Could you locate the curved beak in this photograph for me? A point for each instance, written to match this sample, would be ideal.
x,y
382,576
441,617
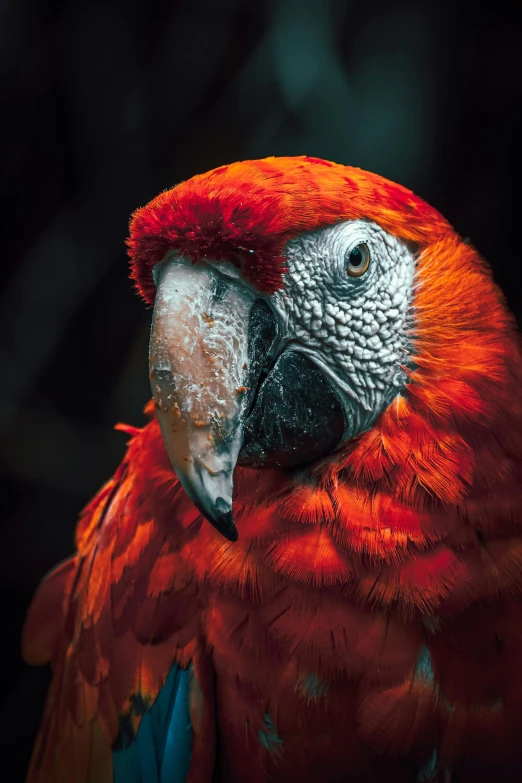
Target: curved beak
x,y
199,366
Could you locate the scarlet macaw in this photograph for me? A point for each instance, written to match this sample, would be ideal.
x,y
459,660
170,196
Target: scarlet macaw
x,y
335,372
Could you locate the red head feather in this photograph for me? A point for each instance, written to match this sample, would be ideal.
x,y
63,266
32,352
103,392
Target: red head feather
x,y
253,208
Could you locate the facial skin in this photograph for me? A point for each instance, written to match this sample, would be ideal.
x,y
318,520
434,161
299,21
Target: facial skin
x,y
358,329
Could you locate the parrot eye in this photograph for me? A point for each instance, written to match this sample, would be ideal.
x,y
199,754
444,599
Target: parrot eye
x,y
358,260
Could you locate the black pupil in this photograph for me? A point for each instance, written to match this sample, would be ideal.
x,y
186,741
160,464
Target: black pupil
x,y
356,257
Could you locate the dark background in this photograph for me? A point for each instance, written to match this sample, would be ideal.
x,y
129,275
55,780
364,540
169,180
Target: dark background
x,y
104,104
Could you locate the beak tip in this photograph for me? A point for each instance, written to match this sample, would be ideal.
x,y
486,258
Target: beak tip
x,y
223,521
231,534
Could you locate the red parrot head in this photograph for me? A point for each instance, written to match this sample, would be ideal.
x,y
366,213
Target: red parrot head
x,y
294,300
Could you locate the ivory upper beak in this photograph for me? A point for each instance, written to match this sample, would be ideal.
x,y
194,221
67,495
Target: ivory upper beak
x,y
198,362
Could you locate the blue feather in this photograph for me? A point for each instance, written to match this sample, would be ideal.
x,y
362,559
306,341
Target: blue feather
x,y
428,770
424,669
268,736
313,688
162,748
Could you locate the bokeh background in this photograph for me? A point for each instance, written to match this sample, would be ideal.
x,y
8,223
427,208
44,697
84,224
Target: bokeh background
x,y
104,104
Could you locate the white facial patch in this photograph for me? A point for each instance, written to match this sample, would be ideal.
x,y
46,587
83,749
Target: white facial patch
x,y
355,328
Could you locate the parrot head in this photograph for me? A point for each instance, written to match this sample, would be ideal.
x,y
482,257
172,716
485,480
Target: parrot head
x,y
290,296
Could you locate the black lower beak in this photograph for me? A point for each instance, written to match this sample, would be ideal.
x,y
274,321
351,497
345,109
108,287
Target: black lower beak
x,y
297,417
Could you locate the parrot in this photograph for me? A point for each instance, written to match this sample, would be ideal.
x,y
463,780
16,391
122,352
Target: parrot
x,y
308,565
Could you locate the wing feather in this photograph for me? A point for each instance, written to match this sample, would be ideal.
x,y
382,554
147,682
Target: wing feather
x,y
114,620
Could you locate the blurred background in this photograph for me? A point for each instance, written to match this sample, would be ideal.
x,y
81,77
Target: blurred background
x,y
104,104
